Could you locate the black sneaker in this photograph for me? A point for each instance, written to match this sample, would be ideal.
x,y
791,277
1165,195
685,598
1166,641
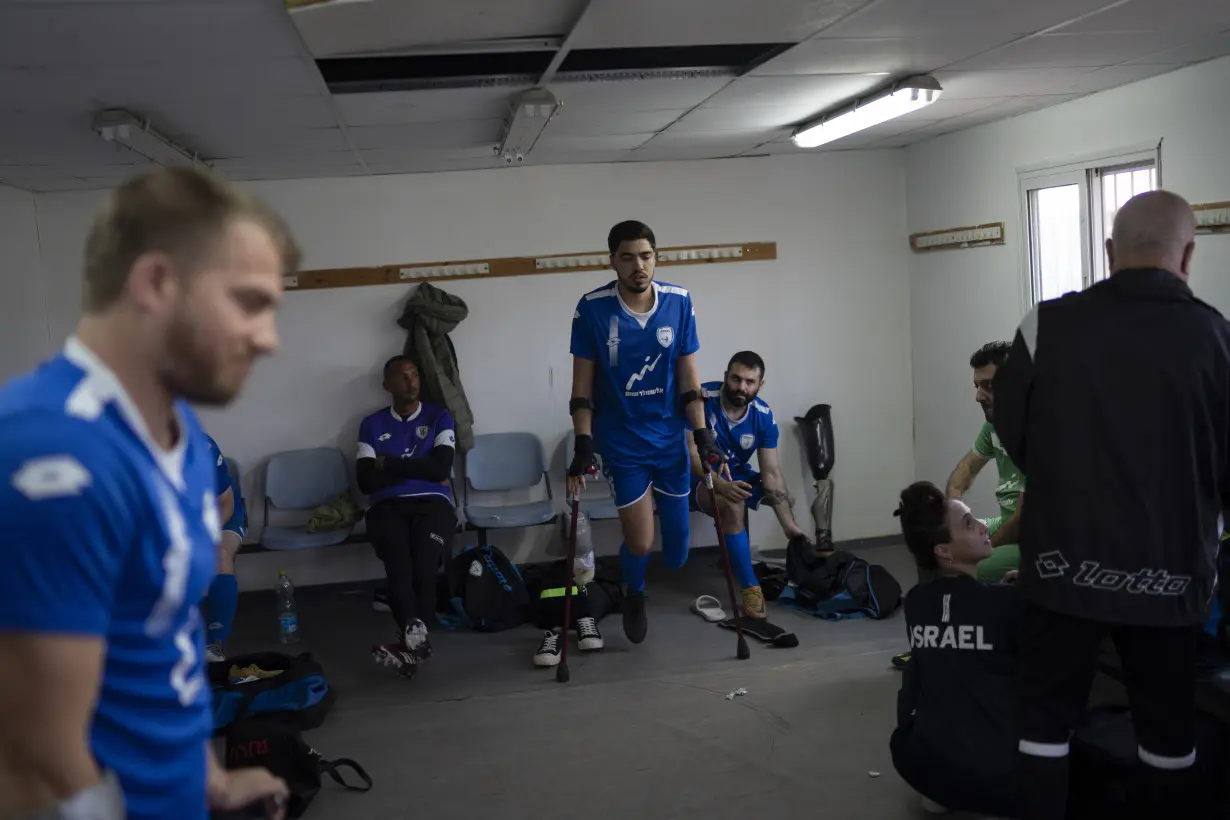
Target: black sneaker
x,y
589,639
548,652
635,622
380,599
899,661
396,656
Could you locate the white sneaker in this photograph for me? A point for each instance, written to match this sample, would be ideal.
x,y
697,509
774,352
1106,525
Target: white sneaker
x,y
214,653
931,807
548,652
588,637
415,640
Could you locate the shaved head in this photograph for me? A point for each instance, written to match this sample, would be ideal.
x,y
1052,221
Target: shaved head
x,y
1153,230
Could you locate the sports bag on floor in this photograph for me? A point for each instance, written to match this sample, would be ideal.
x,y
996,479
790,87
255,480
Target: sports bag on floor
x,y
292,687
486,590
839,585
282,750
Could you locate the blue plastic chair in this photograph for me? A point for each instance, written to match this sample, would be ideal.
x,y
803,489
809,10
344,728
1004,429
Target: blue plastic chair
x,y
501,462
598,500
303,480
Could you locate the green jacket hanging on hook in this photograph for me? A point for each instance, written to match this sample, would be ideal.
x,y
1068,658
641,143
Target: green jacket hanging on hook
x,y
430,315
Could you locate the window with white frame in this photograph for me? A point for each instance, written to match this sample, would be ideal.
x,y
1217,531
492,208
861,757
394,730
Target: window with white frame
x,y
1068,212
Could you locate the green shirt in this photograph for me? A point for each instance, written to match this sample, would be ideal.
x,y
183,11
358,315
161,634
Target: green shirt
x,y
1011,482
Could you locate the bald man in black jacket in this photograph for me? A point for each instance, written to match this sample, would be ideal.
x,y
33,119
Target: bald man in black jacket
x,y
1115,404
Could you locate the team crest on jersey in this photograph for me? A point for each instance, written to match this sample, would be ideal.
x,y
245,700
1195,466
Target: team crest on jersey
x,y
422,431
746,441
385,436
666,335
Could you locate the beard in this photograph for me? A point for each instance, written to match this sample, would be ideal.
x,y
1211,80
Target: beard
x,y
737,399
196,371
988,411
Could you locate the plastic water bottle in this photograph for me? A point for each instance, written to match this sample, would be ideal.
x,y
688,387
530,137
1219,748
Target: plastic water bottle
x,y
288,613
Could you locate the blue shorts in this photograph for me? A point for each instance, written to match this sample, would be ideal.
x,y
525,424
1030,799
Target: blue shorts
x,y
752,501
669,474
237,524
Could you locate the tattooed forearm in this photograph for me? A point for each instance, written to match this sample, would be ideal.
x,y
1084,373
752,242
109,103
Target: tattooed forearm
x,y
776,498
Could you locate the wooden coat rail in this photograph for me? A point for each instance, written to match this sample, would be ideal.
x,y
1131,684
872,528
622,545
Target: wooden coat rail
x,y
520,266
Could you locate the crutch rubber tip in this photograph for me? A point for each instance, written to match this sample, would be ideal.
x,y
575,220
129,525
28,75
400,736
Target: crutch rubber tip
x,y
561,672
743,653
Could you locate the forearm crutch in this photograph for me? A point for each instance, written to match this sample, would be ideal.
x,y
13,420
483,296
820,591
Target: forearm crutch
x,y
561,671
741,650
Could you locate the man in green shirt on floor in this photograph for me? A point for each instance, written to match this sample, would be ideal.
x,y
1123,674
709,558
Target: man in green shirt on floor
x,y
1010,491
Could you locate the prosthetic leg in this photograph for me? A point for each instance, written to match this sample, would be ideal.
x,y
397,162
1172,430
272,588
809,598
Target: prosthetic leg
x,y
817,427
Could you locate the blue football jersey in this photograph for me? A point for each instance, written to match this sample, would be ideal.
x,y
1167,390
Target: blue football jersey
x,y
224,482
104,533
384,433
740,439
636,400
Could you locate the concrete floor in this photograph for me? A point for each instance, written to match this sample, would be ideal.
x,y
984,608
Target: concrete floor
x,y
640,732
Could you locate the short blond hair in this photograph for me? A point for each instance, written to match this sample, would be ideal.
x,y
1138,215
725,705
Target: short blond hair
x,y
179,211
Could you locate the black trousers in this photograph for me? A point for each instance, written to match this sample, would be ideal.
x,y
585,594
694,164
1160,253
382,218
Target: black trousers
x,y
1058,663
412,535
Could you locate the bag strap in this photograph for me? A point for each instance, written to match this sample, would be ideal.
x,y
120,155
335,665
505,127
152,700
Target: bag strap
x,y
331,768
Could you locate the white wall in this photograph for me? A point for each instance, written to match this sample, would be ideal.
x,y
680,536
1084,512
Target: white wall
x,y
961,299
830,316
24,336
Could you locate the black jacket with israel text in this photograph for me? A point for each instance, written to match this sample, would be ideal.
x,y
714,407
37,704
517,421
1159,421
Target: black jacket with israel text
x,y
1115,404
956,710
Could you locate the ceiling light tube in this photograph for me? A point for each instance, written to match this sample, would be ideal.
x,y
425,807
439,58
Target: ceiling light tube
x,y
527,117
137,135
898,99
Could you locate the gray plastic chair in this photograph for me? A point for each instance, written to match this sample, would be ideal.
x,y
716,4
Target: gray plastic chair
x,y
500,462
303,480
597,503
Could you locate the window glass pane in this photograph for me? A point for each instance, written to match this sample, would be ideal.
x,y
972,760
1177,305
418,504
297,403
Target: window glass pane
x,y
1057,245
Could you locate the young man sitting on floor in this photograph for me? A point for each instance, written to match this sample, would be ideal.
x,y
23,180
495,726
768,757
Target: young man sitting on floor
x,y
1009,492
745,427
404,460
956,740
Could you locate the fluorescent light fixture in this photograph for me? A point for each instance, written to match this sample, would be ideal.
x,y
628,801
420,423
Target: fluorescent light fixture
x,y
900,98
527,117
137,135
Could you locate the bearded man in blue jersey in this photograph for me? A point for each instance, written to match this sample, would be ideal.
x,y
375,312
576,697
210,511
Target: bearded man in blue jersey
x,y
745,427
634,384
109,520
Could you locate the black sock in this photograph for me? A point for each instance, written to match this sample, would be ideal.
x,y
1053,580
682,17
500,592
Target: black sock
x,y
1043,787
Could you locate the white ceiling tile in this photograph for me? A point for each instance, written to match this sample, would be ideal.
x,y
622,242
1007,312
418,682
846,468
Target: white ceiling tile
x,y
1194,16
386,25
1204,47
760,117
243,113
242,141
1117,75
302,165
548,143
537,157
966,84
425,156
679,153
298,172
405,107
725,143
428,135
1072,50
917,18
803,94
412,167
891,55
147,87
636,95
81,35
573,122
627,23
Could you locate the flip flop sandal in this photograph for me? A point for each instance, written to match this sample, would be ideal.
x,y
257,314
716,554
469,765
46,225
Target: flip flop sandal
x,y
765,632
709,608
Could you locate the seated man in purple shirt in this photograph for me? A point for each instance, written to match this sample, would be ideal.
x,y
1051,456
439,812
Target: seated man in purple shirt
x,y
405,457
